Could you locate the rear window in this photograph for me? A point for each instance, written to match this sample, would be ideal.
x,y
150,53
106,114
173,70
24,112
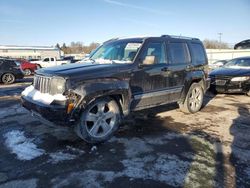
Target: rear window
x,y
179,53
198,53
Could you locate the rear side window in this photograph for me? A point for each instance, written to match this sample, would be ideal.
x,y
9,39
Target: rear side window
x,y
10,63
198,53
179,52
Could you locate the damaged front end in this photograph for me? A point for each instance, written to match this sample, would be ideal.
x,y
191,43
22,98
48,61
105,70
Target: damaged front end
x,y
49,100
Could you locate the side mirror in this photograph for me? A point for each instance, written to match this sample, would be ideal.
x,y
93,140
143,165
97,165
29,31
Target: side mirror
x,y
149,60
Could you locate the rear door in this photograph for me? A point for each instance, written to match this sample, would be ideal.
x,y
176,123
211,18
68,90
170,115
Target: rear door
x,y
179,64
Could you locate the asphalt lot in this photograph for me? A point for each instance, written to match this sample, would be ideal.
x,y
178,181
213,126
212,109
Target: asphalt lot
x,y
160,148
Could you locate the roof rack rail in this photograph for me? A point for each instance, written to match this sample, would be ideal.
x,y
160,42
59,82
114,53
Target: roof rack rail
x,y
179,37
111,40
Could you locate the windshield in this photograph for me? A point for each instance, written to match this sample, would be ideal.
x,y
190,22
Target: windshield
x,y
238,63
116,52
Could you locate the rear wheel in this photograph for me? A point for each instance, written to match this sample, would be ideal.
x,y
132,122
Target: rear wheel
x,y
193,100
99,121
27,72
8,78
38,67
248,93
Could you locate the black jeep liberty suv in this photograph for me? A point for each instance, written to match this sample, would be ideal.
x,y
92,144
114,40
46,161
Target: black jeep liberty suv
x,y
120,76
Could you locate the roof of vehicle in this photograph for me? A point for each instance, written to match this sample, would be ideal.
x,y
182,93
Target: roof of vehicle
x,y
246,57
145,37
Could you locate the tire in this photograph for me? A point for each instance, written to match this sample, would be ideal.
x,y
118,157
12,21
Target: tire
x,y
194,99
38,67
248,93
99,121
8,78
27,72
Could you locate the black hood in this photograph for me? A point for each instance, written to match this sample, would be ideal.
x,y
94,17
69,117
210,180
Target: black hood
x,y
86,70
226,71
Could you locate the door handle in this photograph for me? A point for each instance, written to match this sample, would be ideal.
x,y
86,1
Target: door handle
x,y
165,69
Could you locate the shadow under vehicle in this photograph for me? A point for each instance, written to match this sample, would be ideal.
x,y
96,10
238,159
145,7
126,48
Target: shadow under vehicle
x,y
121,76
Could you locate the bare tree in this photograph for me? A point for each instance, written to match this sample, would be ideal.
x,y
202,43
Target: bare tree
x,y
78,47
215,44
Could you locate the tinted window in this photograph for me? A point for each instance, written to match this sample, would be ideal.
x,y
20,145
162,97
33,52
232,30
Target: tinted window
x,y
52,59
179,52
46,59
156,49
238,62
243,62
198,53
10,63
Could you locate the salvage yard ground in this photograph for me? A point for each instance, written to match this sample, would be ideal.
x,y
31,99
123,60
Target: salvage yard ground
x,y
165,148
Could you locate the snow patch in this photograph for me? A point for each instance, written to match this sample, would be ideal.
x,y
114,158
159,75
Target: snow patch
x,y
23,147
88,178
30,183
60,156
45,98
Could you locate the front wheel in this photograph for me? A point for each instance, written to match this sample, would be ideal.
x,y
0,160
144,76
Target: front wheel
x,y
99,120
193,100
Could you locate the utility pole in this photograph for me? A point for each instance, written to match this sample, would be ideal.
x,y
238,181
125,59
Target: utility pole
x,y
220,38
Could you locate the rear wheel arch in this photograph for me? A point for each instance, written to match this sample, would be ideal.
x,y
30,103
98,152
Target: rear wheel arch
x,y
190,79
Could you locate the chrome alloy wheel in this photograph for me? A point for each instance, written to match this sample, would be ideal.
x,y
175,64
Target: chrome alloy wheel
x,y
8,78
195,99
101,118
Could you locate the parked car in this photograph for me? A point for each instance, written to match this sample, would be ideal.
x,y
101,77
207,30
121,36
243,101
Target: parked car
x,y
9,71
233,77
217,64
71,59
245,44
122,76
49,62
27,67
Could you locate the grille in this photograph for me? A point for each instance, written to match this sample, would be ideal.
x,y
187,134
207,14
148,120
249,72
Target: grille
x,y
42,83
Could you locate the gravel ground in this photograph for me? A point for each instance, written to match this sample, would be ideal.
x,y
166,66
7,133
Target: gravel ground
x,y
159,148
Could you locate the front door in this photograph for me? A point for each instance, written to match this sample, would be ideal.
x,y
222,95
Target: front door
x,y
149,80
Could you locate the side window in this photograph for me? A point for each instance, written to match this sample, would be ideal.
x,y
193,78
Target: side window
x,y
52,59
154,51
179,52
244,62
46,60
198,53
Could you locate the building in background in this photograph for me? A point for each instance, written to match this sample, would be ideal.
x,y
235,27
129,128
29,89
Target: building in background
x,y
30,52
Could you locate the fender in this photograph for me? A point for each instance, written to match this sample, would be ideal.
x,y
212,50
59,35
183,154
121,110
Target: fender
x,y
93,89
191,77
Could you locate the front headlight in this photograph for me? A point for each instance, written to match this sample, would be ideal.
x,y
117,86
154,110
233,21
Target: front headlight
x,y
57,85
240,79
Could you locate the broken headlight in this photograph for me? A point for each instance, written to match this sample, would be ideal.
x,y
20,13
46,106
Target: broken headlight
x,y
57,85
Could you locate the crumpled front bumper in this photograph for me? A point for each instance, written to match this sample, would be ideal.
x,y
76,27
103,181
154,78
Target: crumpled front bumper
x,y
46,110
56,114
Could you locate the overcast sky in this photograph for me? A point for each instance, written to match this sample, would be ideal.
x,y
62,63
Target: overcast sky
x,y
47,22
